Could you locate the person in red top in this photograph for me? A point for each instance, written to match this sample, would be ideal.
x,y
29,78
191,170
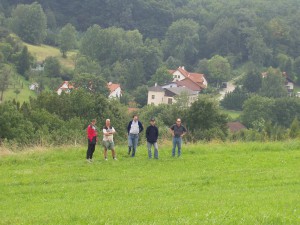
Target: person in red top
x,y
92,140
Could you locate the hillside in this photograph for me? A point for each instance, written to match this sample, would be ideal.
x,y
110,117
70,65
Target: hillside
x,y
233,183
43,51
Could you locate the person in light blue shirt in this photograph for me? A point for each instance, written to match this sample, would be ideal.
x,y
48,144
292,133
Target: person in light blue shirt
x,y
133,129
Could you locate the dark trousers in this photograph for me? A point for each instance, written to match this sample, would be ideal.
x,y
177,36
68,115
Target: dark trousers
x,y
91,148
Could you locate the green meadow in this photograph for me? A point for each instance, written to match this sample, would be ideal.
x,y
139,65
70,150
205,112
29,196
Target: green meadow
x,y
212,183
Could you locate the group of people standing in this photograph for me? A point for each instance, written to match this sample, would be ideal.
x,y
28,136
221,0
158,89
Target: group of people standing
x,y
134,128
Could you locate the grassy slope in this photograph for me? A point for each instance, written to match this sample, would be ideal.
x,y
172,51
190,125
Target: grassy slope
x,y
22,85
41,52
246,183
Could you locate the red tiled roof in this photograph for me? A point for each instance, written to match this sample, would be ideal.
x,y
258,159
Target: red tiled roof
x,y
112,87
67,84
235,126
189,84
197,78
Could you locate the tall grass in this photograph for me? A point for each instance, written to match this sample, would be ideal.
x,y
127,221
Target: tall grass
x,y
215,183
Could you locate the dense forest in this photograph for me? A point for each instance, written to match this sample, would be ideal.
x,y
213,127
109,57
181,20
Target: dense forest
x,y
135,42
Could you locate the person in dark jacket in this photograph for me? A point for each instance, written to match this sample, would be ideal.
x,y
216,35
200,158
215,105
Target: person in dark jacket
x,y
134,128
152,135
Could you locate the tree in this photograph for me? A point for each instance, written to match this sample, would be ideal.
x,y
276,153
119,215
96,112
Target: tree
x,y
182,40
91,83
13,125
141,95
219,70
161,77
67,39
205,118
23,61
252,80
52,67
285,110
85,65
235,100
273,84
29,22
257,109
297,69
5,76
258,51
295,128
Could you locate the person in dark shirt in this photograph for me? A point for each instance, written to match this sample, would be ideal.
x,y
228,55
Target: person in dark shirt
x,y
152,135
177,131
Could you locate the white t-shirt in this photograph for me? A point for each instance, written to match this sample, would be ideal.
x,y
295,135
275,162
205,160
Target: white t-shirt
x,y
134,129
108,137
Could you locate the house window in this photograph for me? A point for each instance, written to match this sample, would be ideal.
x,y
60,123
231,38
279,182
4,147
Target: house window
x,y
169,100
153,96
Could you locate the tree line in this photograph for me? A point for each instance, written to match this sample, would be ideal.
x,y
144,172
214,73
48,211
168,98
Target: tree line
x,y
144,35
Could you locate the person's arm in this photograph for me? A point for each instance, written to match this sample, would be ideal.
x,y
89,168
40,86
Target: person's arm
x,y
128,126
141,128
184,132
172,130
156,133
112,130
105,133
147,132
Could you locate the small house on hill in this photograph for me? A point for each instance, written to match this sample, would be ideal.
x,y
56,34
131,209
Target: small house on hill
x,y
181,74
167,95
65,87
114,90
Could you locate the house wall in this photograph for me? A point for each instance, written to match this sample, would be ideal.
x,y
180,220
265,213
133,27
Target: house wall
x,y
177,76
158,98
290,85
116,93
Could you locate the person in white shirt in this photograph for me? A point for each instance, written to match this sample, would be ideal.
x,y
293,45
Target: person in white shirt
x,y
134,128
108,139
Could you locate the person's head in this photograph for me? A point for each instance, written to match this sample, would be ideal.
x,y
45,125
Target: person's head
x,y
94,121
178,122
152,121
107,122
135,117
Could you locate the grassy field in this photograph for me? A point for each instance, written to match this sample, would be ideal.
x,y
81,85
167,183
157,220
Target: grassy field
x,y
216,183
41,52
19,83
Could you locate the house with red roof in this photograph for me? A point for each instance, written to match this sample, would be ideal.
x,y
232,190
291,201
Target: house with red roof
x,y
185,82
114,90
181,74
66,87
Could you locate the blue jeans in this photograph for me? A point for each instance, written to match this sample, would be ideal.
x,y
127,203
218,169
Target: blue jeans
x,y
176,141
149,145
133,140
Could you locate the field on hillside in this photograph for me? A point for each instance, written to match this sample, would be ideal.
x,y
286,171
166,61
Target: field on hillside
x,y
41,52
216,183
19,83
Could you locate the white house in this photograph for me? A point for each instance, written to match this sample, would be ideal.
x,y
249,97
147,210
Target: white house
x,y
183,82
34,86
114,90
159,95
180,74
